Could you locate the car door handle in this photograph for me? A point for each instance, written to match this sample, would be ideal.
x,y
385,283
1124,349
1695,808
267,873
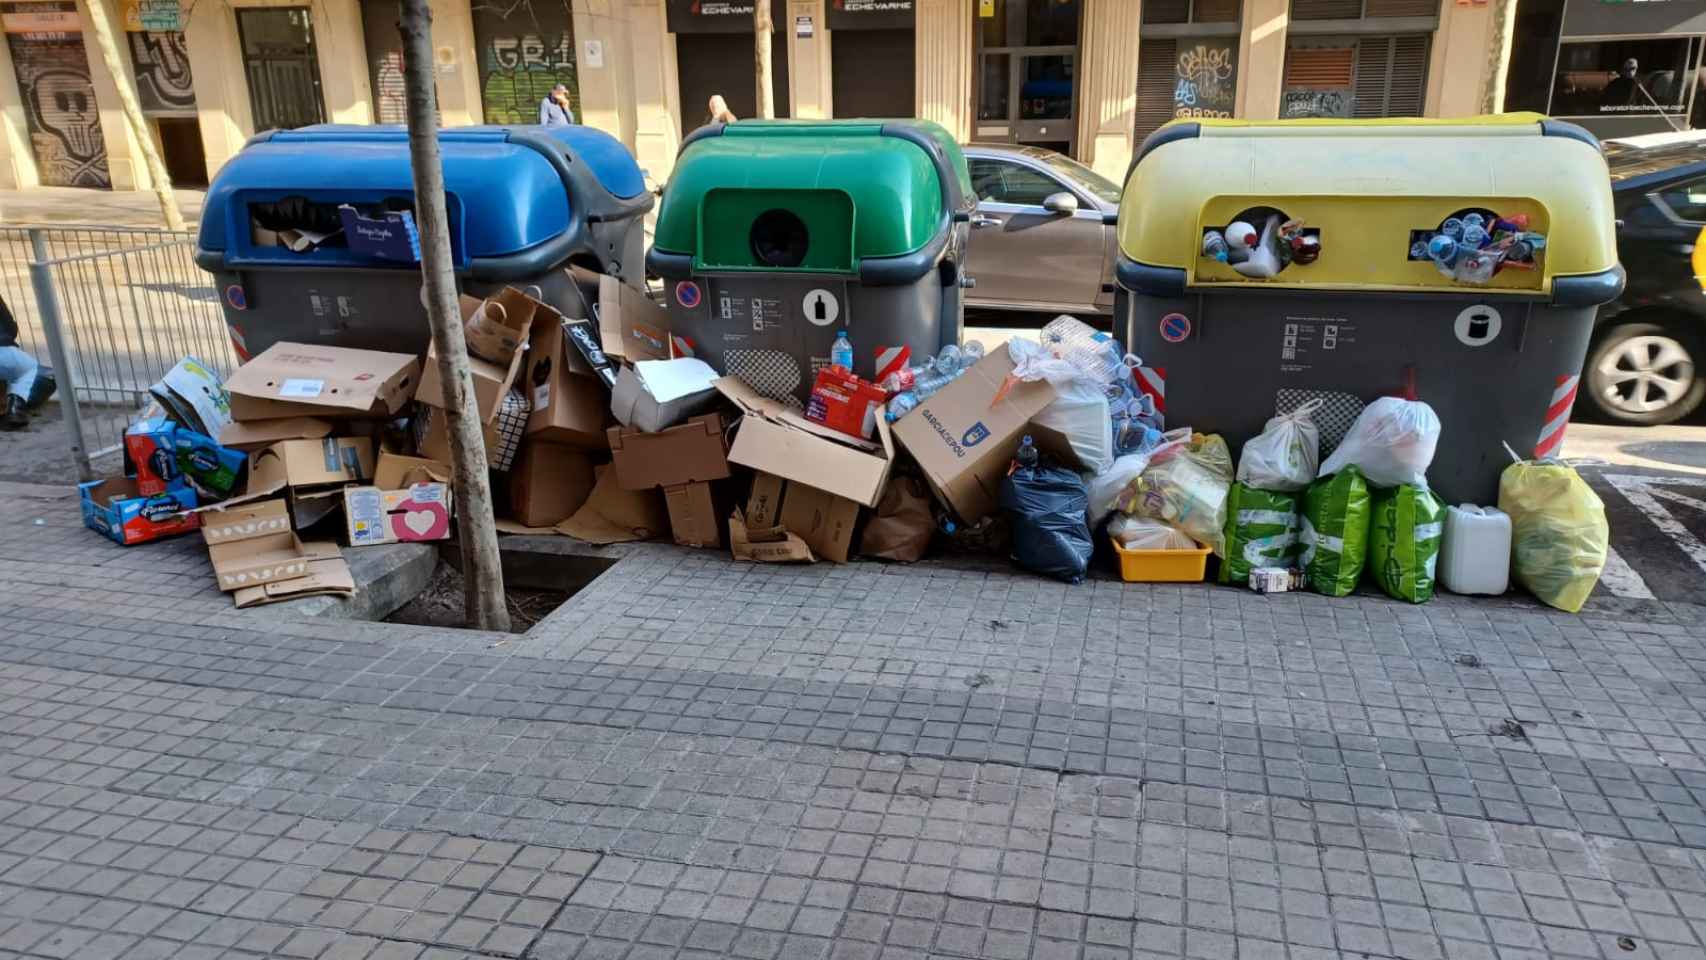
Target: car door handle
x,y
978,221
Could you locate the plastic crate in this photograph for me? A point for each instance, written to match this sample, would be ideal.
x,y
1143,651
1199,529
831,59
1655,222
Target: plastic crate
x,y
1162,566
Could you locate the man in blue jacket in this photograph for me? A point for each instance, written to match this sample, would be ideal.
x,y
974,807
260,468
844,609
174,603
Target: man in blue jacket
x,y
554,109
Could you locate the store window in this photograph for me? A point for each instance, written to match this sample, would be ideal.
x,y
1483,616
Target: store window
x,y
1528,81
1187,61
1650,75
1027,57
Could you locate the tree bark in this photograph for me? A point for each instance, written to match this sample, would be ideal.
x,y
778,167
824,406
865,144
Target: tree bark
x,y
1499,55
132,110
482,572
763,29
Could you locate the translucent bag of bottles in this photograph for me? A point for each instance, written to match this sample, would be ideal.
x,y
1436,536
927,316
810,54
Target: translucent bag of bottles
x,y
1559,535
1392,442
1185,485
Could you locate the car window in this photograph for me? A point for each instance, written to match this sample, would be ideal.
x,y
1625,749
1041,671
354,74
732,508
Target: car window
x,y
998,181
1687,200
1087,178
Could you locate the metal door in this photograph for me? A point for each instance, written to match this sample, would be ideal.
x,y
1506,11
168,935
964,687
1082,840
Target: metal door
x,y
282,66
1027,91
1023,254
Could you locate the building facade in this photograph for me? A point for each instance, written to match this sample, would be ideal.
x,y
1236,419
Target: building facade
x,y
1087,77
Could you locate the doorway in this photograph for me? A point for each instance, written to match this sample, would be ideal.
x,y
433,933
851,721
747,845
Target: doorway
x,y
1027,57
283,67
714,55
180,150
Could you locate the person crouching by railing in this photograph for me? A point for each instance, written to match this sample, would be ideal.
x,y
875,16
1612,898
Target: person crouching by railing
x,y
18,369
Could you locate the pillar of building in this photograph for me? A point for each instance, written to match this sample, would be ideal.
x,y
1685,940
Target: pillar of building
x,y
943,44
655,105
1107,113
1457,65
809,88
604,67
1261,58
456,63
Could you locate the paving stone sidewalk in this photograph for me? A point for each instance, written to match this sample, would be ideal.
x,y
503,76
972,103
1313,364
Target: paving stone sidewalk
x,y
696,758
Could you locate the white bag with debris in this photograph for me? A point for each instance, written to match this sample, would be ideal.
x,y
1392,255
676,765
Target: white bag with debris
x,y
1392,441
1142,533
1284,456
1079,411
1105,487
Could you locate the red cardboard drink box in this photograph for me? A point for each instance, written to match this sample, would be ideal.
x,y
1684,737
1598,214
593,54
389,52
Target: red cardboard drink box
x,y
841,401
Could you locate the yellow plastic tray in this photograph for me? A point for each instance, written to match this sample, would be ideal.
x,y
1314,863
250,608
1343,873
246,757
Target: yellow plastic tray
x,y
1162,566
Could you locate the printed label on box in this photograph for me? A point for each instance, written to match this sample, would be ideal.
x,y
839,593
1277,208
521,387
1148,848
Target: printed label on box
x,y
301,389
366,507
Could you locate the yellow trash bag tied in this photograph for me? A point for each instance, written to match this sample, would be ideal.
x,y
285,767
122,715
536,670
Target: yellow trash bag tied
x,y
1559,537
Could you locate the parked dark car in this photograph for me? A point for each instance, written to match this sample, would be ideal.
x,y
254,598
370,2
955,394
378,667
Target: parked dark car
x,y
1643,367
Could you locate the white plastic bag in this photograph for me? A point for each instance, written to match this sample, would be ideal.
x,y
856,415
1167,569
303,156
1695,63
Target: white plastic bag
x,y
1284,456
1032,361
1106,485
1141,533
1392,441
1079,412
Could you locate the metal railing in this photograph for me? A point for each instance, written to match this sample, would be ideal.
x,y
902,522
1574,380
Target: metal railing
x,y
111,309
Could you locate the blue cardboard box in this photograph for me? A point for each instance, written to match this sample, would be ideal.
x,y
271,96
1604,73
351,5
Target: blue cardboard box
x,y
119,510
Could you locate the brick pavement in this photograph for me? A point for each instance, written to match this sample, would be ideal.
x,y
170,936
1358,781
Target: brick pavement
x,y
697,759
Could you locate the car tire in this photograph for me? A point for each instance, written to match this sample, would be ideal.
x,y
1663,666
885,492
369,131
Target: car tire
x,y
1644,374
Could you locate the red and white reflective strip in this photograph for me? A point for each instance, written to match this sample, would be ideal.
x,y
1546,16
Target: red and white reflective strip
x,y
680,346
1153,381
1557,417
890,359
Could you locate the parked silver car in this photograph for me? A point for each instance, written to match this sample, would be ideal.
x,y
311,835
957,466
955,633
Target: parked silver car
x,y
1043,236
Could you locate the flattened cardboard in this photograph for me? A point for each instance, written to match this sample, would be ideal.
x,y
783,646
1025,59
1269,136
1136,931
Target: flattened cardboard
x,y
764,507
790,549
774,439
693,515
568,407
963,439
395,471
548,483
631,324
311,380
614,515
252,545
414,514
491,382
326,577
689,453
252,436
823,520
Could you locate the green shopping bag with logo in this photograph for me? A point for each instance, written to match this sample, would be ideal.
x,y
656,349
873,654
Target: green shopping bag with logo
x,y
1261,531
1334,534
1403,541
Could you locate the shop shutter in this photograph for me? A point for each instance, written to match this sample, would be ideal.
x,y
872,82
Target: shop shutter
x,y
1402,8
1319,68
1391,76
1166,11
1155,81
1326,9
1215,11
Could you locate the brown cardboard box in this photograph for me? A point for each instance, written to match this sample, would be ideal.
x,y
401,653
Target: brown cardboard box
x,y
823,520
614,515
503,435
693,514
774,439
414,514
395,471
491,382
548,483
568,407
789,549
764,508
689,453
631,324
963,438
256,434
310,473
310,380
252,545
326,576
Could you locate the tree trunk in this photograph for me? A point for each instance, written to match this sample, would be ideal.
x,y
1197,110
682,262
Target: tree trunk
x,y
482,573
763,29
1499,55
132,109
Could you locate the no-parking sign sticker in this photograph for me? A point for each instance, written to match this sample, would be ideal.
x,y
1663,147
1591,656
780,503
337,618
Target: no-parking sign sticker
x,y
1175,327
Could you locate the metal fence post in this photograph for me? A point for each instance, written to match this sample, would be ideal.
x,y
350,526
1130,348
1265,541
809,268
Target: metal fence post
x,y
47,305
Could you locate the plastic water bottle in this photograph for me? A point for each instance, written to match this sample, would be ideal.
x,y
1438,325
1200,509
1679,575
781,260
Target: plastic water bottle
x,y
1083,346
900,405
1474,236
1452,227
1214,246
931,382
1442,250
841,352
949,360
972,352
906,377
1027,454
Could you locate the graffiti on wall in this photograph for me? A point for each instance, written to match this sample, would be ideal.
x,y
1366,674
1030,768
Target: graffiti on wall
x,y
59,108
1205,84
526,47
162,63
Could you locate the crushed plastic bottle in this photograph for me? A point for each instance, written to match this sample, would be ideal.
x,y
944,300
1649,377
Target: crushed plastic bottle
x,y
949,360
1214,246
900,405
1090,350
841,352
906,377
973,352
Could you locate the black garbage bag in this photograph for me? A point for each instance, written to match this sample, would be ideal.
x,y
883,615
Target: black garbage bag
x,y
1047,507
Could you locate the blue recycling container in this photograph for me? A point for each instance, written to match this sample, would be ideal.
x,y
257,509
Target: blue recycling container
x,y
525,203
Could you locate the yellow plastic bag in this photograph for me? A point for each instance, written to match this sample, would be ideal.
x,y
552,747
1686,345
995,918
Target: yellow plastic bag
x,y
1185,486
1559,537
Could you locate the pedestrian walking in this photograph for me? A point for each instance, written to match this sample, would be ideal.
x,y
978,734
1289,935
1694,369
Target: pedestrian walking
x,y
18,369
554,110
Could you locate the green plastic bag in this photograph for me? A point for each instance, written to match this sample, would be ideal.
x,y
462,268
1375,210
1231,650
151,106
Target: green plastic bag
x,y
1261,531
1403,542
1334,534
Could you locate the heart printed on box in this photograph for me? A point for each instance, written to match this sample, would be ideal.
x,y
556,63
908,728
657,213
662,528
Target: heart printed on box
x,y
413,520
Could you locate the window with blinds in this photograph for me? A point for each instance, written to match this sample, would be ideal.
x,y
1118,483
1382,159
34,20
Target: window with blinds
x,y
1155,69
1191,11
1188,72
1361,77
1360,9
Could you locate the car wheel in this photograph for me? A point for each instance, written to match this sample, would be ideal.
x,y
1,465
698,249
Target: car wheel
x,y
1643,374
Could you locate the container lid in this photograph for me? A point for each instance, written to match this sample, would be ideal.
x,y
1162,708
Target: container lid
x,y
508,188
888,187
1369,187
